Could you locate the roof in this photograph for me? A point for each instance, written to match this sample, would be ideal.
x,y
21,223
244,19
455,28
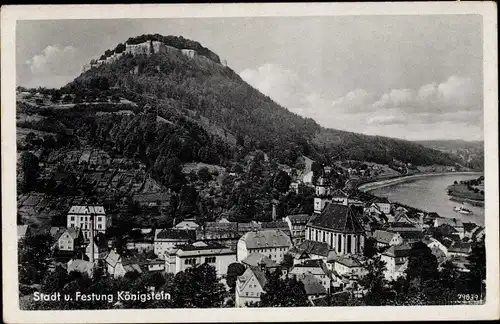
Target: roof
x,y
113,258
469,227
340,218
101,242
460,247
412,235
249,273
313,247
276,224
404,226
55,230
72,231
383,200
87,210
455,222
256,259
80,266
348,261
383,236
339,193
266,238
187,223
398,251
299,219
175,234
21,230
446,229
312,285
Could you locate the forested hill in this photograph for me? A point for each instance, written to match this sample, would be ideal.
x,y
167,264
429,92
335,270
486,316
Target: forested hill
x,y
215,97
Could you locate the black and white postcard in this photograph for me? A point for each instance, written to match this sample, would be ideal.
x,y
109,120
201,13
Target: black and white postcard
x,y
250,162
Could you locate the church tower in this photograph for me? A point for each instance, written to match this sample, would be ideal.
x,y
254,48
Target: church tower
x,y
322,194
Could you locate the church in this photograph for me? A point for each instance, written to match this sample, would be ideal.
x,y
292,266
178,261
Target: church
x,y
336,224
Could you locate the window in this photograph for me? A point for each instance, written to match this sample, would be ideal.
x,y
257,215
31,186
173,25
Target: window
x,y
246,294
324,239
99,226
210,259
72,218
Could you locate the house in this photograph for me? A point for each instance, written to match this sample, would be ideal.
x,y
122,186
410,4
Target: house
x,y
408,232
312,285
277,224
478,234
273,243
382,203
297,226
68,239
339,226
156,265
249,287
23,231
461,263
346,267
294,186
166,239
316,268
83,217
307,178
258,260
459,249
469,228
80,266
100,248
118,266
396,260
222,232
187,224
191,255
457,224
434,244
385,238
311,250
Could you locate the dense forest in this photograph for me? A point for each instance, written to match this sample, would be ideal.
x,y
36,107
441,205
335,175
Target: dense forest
x,y
179,84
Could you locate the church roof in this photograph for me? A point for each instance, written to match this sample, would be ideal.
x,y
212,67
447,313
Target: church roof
x,y
339,218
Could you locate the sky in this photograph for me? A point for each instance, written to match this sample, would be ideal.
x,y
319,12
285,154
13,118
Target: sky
x,y
410,77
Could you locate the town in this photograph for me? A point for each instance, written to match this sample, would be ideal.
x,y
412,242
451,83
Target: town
x,y
160,172
330,251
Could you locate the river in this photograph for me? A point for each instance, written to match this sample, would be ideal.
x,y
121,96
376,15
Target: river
x,y
429,194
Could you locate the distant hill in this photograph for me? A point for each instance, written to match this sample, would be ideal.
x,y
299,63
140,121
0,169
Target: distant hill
x,y
178,85
471,153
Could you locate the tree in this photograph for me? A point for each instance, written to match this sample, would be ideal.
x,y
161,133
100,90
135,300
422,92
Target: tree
x,y
477,267
287,261
287,292
204,174
282,181
234,270
422,264
374,281
31,169
370,248
197,287
33,257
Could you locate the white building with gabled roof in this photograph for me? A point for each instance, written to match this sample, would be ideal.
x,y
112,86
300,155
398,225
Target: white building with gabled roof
x,y
273,243
80,216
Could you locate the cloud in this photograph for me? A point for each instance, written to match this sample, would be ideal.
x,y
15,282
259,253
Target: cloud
x,y
447,109
281,84
358,100
387,120
55,60
451,95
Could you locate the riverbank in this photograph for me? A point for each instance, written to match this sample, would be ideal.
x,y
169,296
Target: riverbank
x,y
468,201
369,186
